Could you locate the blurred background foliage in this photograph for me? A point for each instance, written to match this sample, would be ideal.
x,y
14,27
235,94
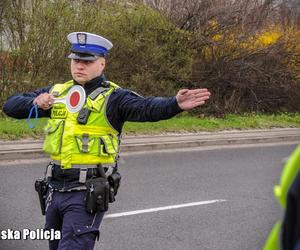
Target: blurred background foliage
x,y
247,52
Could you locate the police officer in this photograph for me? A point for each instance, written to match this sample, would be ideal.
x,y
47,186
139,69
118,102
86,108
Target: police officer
x,y
81,143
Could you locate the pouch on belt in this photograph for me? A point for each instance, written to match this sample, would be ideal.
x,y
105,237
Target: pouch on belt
x,y
97,196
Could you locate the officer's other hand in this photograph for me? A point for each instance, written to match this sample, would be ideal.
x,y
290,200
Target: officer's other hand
x,y
188,99
44,101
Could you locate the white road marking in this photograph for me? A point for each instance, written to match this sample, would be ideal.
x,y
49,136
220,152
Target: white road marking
x,y
151,210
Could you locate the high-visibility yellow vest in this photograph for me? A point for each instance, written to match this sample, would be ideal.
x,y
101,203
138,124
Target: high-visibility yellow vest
x,y
96,142
289,173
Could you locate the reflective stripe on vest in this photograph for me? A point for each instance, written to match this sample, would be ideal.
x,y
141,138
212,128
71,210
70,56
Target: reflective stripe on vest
x,y
72,143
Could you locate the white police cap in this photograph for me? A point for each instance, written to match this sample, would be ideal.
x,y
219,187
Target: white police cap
x,y
88,46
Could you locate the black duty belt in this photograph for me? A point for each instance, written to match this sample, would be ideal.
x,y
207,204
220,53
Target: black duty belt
x,y
76,165
81,172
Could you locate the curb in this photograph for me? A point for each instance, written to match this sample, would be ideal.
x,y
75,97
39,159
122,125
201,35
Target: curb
x,y
27,149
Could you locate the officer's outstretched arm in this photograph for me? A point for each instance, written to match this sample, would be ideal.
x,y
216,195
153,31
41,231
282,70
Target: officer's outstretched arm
x,y
133,107
18,106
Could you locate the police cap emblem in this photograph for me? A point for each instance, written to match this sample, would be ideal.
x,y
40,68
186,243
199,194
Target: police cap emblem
x,y
81,38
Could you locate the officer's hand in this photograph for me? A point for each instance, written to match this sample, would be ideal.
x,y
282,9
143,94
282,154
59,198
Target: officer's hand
x,y
188,99
44,101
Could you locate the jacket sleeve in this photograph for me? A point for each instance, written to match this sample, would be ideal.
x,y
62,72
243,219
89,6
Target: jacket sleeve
x,y
124,105
18,106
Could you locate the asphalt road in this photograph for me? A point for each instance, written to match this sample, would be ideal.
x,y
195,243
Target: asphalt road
x,y
242,177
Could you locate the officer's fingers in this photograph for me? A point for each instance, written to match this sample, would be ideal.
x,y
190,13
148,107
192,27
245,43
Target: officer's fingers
x,y
201,98
42,106
45,106
196,91
196,97
40,97
204,94
44,98
201,92
38,100
43,101
199,103
50,99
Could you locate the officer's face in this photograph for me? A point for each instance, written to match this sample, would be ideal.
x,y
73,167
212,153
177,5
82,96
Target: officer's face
x,y
83,71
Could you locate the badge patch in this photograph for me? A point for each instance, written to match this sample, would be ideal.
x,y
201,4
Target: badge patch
x,y
81,38
58,113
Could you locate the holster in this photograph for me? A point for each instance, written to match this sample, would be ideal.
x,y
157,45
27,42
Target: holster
x,y
114,181
41,186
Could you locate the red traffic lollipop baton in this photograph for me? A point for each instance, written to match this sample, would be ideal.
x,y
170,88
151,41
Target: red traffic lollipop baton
x,y
74,100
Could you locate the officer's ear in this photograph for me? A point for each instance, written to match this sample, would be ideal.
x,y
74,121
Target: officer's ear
x,y
102,62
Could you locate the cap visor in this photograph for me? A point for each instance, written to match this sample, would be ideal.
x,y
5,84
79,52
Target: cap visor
x,y
83,57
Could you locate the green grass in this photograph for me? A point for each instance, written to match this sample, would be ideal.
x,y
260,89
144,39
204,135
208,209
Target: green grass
x,y
11,129
186,124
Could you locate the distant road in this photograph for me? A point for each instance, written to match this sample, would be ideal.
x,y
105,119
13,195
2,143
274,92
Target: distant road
x,y
198,199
